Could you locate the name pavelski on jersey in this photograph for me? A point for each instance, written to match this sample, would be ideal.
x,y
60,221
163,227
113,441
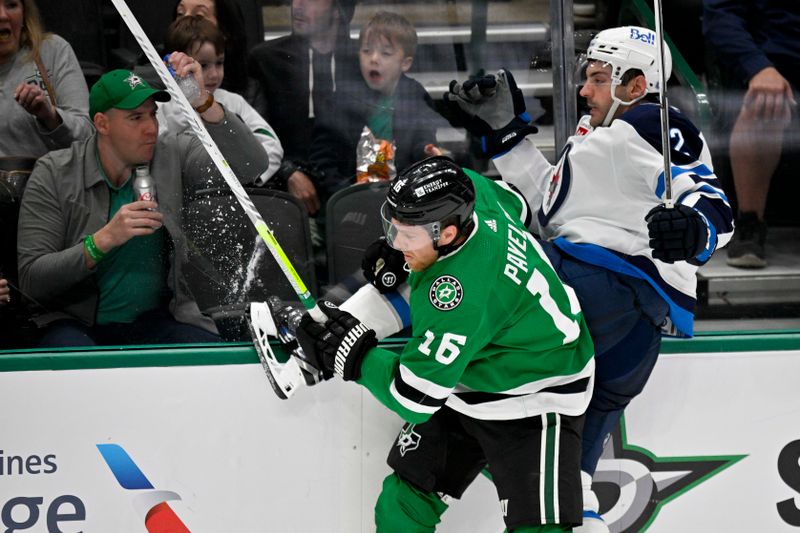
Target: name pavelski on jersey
x,y
446,293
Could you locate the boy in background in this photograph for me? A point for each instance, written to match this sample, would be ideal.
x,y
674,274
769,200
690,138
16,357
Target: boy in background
x,y
393,106
203,41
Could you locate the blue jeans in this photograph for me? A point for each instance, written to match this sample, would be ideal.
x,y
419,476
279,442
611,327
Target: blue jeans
x,y
624,315
153,327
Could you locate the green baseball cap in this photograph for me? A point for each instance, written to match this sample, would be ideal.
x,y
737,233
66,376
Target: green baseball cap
x,y
121,89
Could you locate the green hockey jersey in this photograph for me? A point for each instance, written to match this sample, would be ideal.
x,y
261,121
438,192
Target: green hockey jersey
x,y
495,334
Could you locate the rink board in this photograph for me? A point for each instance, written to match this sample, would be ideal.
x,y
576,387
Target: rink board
x,y
713,444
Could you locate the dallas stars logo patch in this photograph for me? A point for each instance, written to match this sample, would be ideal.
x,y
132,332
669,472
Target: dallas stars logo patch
x,y
408,440
446,293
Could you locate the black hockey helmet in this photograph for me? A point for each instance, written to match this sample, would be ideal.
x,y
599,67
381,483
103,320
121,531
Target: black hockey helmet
x,y
435,192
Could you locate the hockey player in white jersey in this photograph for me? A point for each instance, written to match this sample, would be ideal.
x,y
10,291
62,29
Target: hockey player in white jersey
x,y
631,261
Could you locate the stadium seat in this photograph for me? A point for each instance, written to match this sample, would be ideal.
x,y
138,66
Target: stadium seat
x,y
353,222
228,265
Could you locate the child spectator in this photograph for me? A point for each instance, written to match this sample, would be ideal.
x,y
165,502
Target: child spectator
x,y
393,106
203,41
226,15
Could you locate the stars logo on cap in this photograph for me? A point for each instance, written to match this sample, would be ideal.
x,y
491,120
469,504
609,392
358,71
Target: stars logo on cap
x,y
133,80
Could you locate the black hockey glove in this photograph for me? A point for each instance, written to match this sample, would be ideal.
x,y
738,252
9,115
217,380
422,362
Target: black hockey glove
x,y
383,266
676,234
491,107
339,345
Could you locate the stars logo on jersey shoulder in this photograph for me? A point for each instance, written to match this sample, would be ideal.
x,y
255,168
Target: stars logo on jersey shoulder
x,y
446,293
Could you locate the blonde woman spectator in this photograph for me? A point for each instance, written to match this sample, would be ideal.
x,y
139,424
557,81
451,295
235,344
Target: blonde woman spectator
x,y
43,95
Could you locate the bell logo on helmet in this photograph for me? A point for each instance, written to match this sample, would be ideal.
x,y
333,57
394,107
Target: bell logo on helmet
x,y
644,36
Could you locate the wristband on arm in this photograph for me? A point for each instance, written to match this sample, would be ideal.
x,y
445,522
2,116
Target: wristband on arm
x,y
95,253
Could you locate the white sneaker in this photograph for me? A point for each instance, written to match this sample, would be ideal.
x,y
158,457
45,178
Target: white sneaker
x,y
592,521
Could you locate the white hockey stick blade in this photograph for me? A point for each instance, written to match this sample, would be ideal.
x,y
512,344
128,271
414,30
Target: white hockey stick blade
x,y
284,377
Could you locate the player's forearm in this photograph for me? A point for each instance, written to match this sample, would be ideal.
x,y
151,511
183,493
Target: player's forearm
x,y
527,169
377,375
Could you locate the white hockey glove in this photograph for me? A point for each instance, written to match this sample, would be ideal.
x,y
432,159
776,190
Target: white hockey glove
x,y
339,345
491,107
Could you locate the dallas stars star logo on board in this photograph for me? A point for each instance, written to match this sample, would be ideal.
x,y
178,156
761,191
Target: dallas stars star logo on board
x,y
633,484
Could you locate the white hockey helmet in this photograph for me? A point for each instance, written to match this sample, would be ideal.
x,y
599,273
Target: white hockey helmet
x,y
630,47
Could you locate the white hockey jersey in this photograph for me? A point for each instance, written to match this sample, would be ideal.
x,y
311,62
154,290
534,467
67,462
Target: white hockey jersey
x,y
593,202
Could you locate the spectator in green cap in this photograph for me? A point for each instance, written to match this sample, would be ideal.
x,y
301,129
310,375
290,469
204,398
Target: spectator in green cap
x,y
105,267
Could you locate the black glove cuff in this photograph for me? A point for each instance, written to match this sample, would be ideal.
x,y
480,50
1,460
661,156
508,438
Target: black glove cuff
x,y
502,140
351,351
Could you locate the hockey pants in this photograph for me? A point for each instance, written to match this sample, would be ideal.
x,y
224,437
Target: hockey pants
x,y
402,508
624,315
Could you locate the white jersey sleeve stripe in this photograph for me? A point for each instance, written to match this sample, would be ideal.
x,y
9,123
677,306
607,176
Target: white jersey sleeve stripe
x,y
424,386
411,405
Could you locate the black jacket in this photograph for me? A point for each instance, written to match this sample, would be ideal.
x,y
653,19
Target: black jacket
x,y
281,69
333,148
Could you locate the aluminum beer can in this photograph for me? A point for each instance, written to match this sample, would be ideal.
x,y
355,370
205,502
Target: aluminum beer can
x,y
144,188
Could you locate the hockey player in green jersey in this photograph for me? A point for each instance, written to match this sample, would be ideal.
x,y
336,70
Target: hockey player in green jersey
x,y
500,366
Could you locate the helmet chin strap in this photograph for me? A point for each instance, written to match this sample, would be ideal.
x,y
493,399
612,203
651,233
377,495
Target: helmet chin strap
x,y
618,102
458,240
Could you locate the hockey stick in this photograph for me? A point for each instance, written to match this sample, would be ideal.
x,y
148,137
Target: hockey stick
x,y
262,345
665,140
